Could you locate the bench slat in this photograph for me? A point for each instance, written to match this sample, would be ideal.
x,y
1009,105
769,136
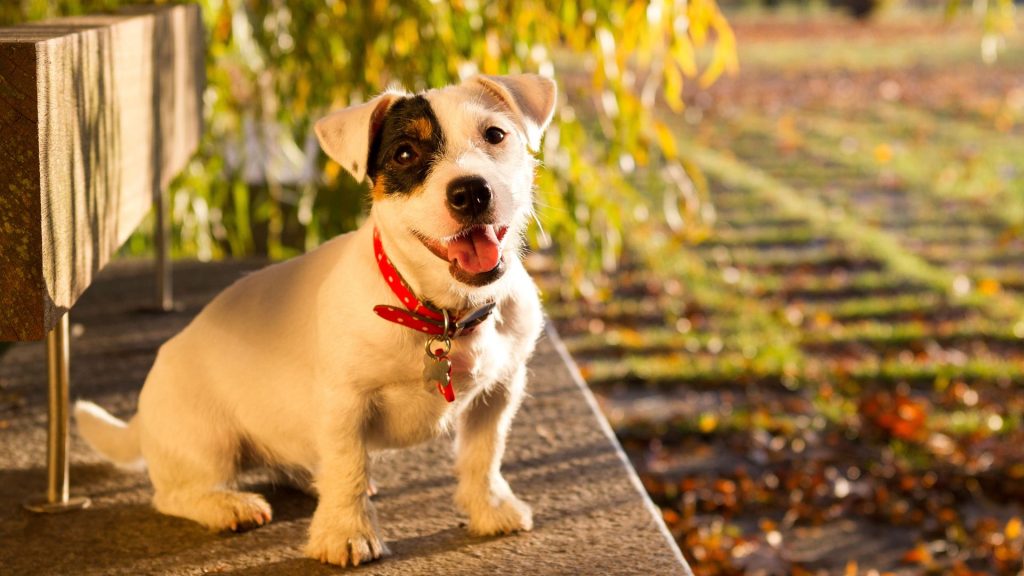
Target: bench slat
x,y
97,115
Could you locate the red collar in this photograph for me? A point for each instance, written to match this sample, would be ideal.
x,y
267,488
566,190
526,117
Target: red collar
x,y
420,315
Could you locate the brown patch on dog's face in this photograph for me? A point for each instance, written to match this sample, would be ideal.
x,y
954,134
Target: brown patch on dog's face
x,y
380,187
421,128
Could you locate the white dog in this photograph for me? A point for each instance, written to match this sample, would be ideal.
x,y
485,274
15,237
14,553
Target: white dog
x,y
313,363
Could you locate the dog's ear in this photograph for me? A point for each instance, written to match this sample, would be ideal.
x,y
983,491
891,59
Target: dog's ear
x,y
531,98
346,135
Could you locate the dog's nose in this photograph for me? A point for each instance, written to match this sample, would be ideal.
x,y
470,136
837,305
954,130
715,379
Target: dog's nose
x,y
469,196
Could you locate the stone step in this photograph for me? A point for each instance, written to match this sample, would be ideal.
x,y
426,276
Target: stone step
x,y
591,514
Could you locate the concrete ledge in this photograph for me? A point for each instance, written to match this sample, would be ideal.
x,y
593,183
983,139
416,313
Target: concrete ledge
x,y
591,513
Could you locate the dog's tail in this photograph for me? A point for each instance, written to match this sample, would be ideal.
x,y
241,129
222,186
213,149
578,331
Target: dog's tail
x,y
115,439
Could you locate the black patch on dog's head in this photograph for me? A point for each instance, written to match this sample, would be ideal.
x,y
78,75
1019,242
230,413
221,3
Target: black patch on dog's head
x,y
410,126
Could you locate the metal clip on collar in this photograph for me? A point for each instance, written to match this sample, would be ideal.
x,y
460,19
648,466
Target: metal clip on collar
x,y
443,338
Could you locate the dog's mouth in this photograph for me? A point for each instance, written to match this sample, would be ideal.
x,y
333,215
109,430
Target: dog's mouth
x,y
474,254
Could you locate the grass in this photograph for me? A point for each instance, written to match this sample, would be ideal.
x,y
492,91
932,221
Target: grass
x,y
861,54
851,229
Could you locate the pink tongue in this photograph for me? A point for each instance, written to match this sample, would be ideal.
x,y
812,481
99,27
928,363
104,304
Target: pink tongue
x,y
476,252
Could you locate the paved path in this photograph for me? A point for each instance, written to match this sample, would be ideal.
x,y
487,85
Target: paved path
x,y
591,517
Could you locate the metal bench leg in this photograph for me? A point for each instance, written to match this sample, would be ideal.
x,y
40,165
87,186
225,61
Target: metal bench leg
x,y
164,292
57,498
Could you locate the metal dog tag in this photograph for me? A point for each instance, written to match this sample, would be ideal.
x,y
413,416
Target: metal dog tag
x,y
436,369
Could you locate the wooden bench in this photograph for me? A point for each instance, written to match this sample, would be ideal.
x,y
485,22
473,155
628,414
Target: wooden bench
x,y
97,115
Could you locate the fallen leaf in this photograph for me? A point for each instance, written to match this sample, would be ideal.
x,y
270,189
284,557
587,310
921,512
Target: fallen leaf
x,y
1013,528
707,423
822,319
918,555
989,287
883,153
670,516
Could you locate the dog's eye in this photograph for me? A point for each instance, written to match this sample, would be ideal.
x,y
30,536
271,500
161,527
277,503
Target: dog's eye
x,y
405,155
494,135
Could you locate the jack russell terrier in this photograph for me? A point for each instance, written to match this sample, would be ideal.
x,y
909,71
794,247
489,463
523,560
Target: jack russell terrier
x,y
420,321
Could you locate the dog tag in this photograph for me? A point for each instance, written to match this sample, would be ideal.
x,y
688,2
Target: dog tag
x,y
436,370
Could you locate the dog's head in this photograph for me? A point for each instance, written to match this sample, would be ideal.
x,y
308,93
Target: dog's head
x,y
451,169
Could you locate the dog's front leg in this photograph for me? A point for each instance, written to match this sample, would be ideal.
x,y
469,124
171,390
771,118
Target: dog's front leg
x,y
482,492
344,526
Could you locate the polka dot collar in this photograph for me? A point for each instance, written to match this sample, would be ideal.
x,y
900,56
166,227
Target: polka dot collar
x,y
418,315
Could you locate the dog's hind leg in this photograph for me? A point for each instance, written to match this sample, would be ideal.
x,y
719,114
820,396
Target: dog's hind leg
x,y
192,466
482,491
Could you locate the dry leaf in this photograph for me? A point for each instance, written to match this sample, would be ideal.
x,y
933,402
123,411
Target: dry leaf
x,y
1013,528
883,153
918,555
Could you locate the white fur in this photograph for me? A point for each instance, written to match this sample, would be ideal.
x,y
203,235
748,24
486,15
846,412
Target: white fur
x,y
117,440
291,364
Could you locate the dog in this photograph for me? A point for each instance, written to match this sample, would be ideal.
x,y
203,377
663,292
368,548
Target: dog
x,y
419,322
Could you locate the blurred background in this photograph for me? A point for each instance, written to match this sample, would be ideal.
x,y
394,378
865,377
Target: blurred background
x,y
784,240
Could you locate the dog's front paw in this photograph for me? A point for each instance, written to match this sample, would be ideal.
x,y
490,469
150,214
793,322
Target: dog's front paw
x,y
500,515
344,546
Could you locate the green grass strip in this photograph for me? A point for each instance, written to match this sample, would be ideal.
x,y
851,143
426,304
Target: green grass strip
x,y
881,244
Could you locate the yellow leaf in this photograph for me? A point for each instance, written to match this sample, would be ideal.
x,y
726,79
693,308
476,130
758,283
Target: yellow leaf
x,y
631,32
641,157
699,20
715,69
1013,528
597,80
331,170
682,54
723,59
632,338
585,372
707,423
989,286
666,140
492,53
822,319
883,153
673,87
